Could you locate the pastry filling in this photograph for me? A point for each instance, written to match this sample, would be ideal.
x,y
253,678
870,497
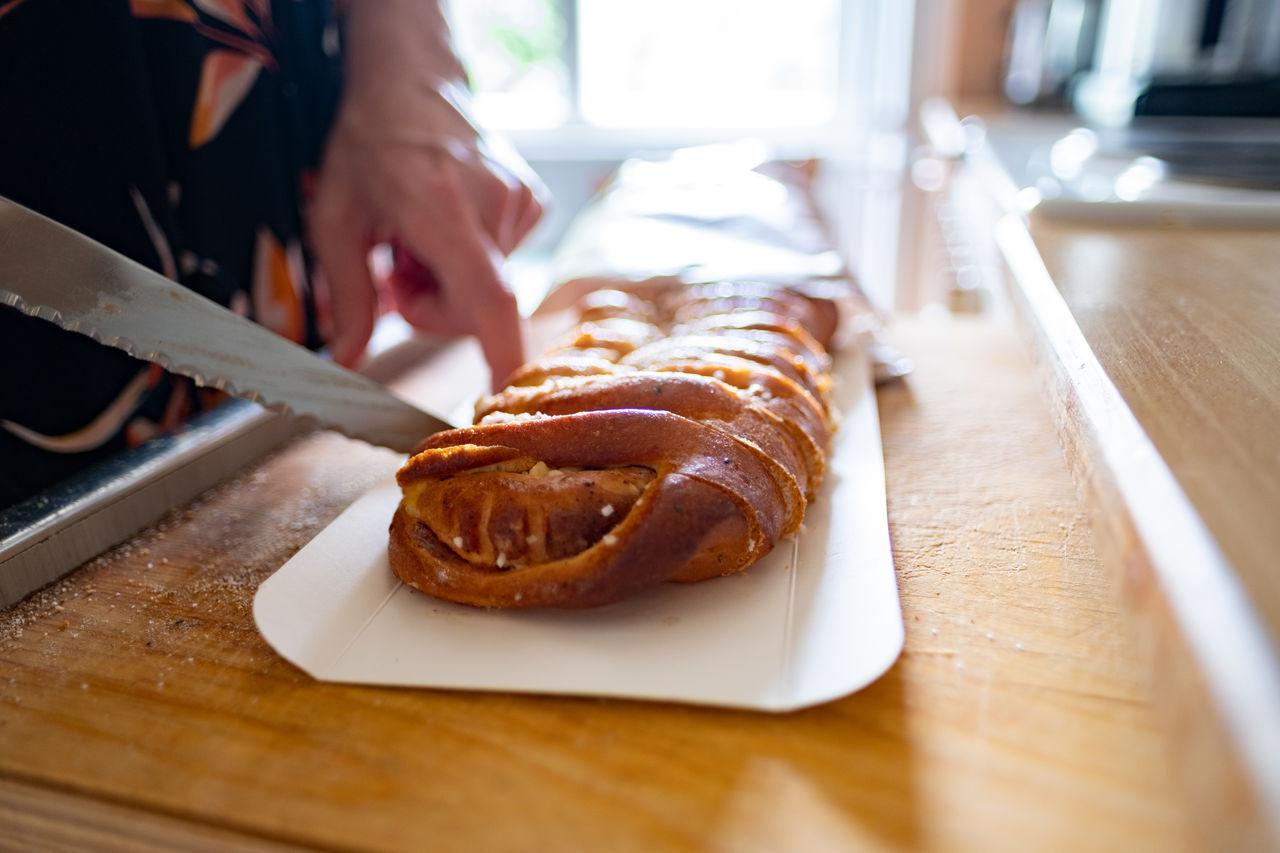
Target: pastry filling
x,y
526,512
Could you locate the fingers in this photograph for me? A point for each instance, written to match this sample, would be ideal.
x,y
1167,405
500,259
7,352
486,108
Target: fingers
x,y
527,211
418,296
508,207
343,253
534,200
496,318
449,239
457,209
474,298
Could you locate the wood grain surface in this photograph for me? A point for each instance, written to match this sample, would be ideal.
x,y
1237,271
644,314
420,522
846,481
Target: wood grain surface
x,y
137,699
1159,346
1186,323
1216,676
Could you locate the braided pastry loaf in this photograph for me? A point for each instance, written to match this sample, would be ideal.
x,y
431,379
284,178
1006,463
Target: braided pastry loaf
x,y
676,434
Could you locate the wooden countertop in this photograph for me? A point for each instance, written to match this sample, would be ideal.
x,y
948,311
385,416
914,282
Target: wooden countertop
x,y
1166,395
140,709
1159,345
1186,323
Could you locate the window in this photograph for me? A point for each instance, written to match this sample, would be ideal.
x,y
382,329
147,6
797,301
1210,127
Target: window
x,y
728,63
578,85
518,58
756,67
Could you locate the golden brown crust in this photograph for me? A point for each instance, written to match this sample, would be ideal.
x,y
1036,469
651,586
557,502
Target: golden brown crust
x,y
702,398
674,437
711,507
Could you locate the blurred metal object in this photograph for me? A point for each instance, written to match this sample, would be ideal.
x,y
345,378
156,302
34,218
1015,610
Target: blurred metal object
x,y
1049,43
1183,57
46,536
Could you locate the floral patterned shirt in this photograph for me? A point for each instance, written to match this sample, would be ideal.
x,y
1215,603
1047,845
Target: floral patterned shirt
x,y
184,134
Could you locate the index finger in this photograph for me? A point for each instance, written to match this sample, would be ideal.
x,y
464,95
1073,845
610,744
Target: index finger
x,y
468,267
343,254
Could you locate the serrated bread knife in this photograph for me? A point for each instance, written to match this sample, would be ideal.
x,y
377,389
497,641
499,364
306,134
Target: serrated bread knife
x,y
50,271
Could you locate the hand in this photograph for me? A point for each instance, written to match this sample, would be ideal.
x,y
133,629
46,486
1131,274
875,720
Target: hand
x,y
405,165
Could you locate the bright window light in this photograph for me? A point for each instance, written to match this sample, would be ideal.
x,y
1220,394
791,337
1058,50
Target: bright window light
x,y
657,64
708,63
517,59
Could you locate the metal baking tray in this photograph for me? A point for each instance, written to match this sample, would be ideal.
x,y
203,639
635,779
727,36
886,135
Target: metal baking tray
x,y
48,535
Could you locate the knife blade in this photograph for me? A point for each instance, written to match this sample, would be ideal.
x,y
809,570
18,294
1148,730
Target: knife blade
x,y
50,271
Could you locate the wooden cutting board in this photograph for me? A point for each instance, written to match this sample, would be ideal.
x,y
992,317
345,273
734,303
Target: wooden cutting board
x,y
139,708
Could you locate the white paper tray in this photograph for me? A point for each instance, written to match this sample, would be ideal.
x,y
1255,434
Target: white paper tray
x,y
817,619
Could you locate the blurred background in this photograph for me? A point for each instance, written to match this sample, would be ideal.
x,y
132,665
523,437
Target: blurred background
x,y
579,85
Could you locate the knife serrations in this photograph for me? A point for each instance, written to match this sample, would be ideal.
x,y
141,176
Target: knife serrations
x,y
52,315
53,273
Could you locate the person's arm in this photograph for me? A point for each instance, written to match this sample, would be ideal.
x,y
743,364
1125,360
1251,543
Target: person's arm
x,y
406,165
